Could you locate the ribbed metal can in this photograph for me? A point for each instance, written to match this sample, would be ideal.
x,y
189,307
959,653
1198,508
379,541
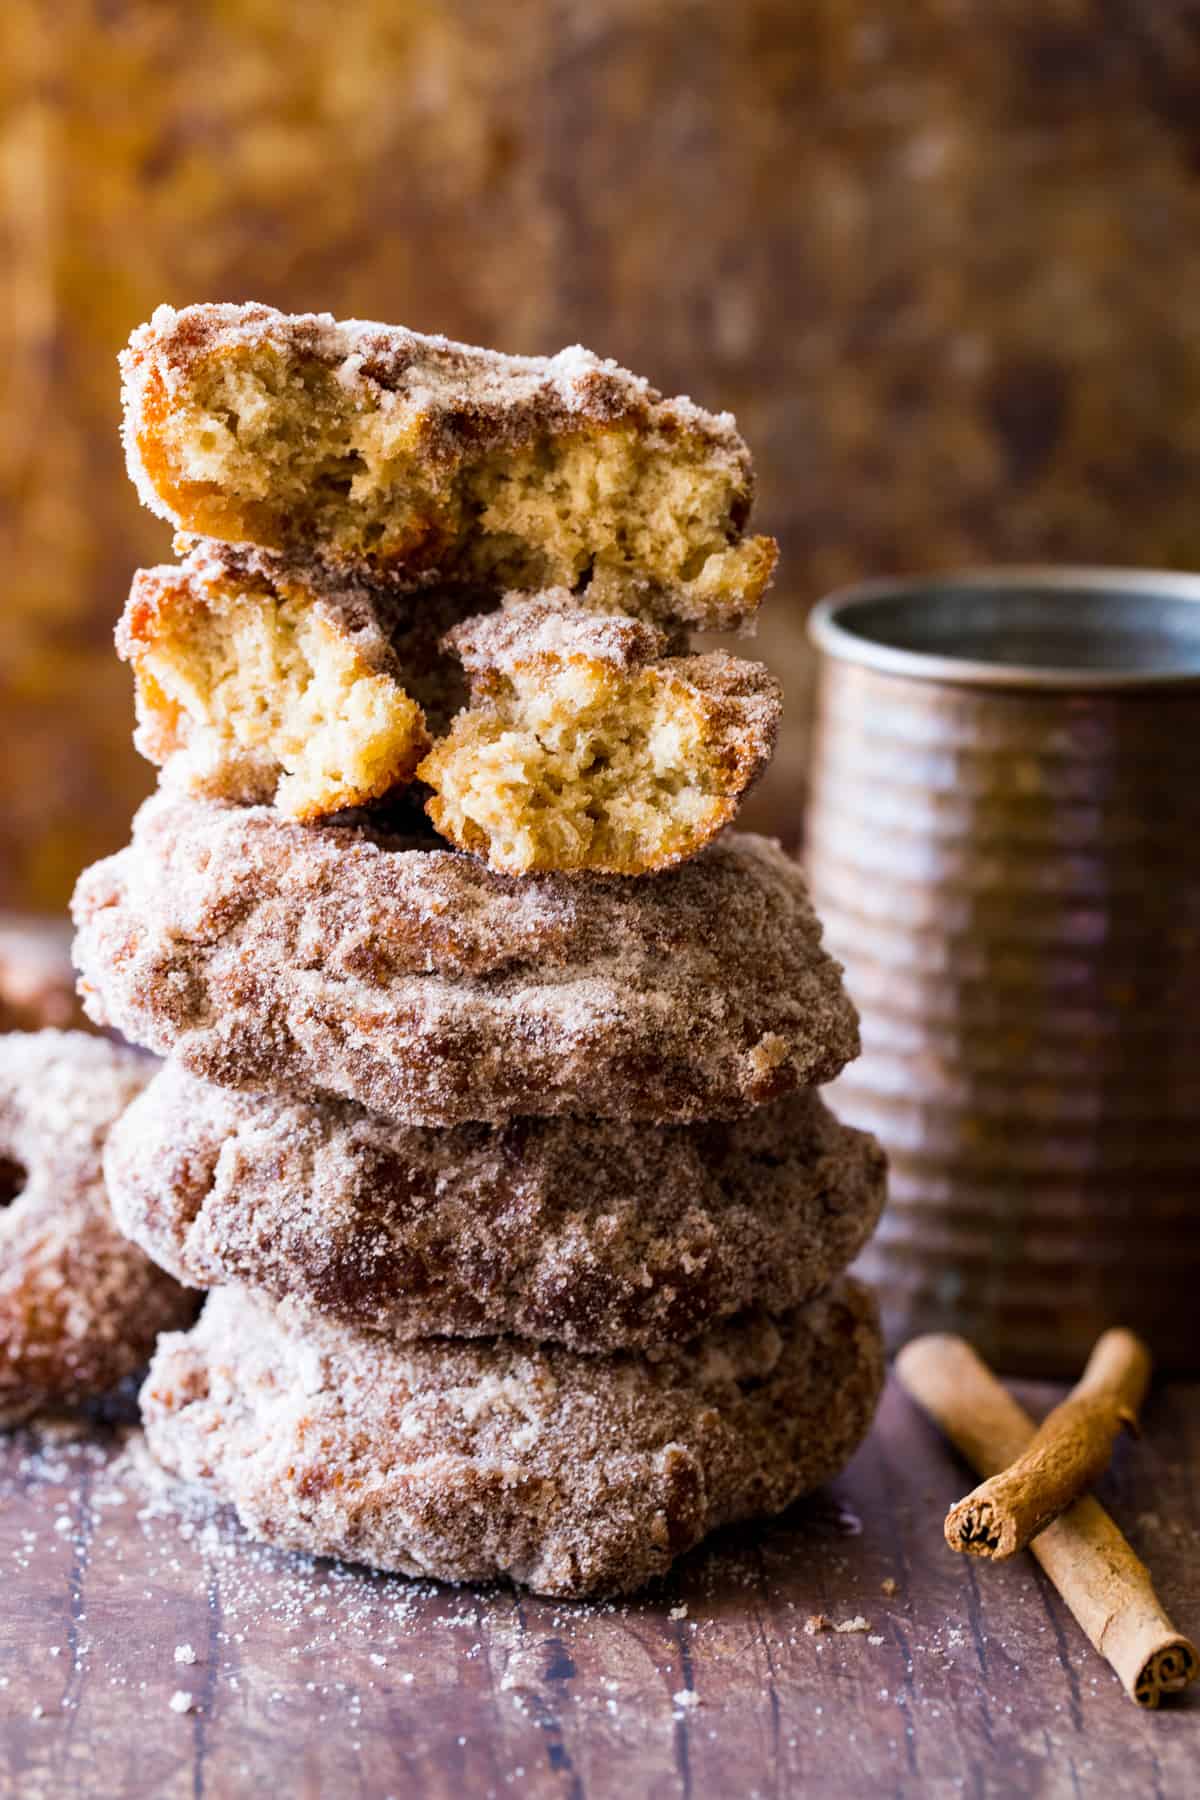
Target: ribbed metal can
x,y
1003,840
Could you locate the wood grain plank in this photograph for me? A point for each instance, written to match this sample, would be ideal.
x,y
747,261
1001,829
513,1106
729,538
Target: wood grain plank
x,y
314,1679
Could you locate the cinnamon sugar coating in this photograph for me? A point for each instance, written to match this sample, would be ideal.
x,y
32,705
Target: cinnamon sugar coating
x,y
80,1306
542,630
273,956
588,1232
374,450
573,1475
586,749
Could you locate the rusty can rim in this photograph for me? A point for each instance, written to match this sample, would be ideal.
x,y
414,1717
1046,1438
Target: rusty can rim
x,y
837,625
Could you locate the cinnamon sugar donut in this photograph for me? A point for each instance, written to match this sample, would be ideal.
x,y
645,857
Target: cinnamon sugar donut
x,y
587,1232
377,451
273,956
79,1305
573,1475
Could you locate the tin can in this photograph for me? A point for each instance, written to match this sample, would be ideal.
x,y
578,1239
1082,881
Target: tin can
x,y
1004,843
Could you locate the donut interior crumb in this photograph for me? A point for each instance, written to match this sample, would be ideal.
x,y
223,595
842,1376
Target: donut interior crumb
x,y
272,449
267,697
576,764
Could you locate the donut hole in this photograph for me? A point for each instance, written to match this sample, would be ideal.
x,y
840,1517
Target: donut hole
x,y
13,1177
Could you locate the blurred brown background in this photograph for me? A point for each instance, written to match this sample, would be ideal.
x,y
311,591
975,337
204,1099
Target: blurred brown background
x,y
942,257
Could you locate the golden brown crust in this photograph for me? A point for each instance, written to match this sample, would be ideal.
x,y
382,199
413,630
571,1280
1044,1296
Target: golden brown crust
x,y
273,956
572,1475
588,1232
461,418
80,1306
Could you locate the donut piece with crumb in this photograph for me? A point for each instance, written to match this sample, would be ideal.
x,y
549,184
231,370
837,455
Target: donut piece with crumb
x,y
574,1475
378,451
258,688
585,750
80,1306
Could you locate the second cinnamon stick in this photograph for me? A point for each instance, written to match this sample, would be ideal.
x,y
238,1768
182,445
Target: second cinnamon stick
x,y
1067,1454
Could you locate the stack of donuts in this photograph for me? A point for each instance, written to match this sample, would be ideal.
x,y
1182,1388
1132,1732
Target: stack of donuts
x,y
489,1111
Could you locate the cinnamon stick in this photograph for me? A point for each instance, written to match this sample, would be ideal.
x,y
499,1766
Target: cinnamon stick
x,y
1066,1456
1106,1587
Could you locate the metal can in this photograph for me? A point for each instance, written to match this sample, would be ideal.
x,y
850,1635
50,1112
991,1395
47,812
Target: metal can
x,y
1003,839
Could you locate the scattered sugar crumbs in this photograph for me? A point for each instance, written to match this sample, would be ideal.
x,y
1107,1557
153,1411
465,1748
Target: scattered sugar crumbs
x,y
318,1620
819,1622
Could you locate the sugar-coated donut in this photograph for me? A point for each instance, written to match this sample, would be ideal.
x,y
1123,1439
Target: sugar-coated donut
x,y
268,955
80,1305
574,1475
587,1232
373,450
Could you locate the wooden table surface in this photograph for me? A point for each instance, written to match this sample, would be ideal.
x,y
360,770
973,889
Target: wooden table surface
x,y
149,1651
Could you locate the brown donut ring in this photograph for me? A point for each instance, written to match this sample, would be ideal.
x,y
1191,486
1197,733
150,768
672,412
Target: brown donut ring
x,y
575,1475
80,1306
587,1232
273,956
